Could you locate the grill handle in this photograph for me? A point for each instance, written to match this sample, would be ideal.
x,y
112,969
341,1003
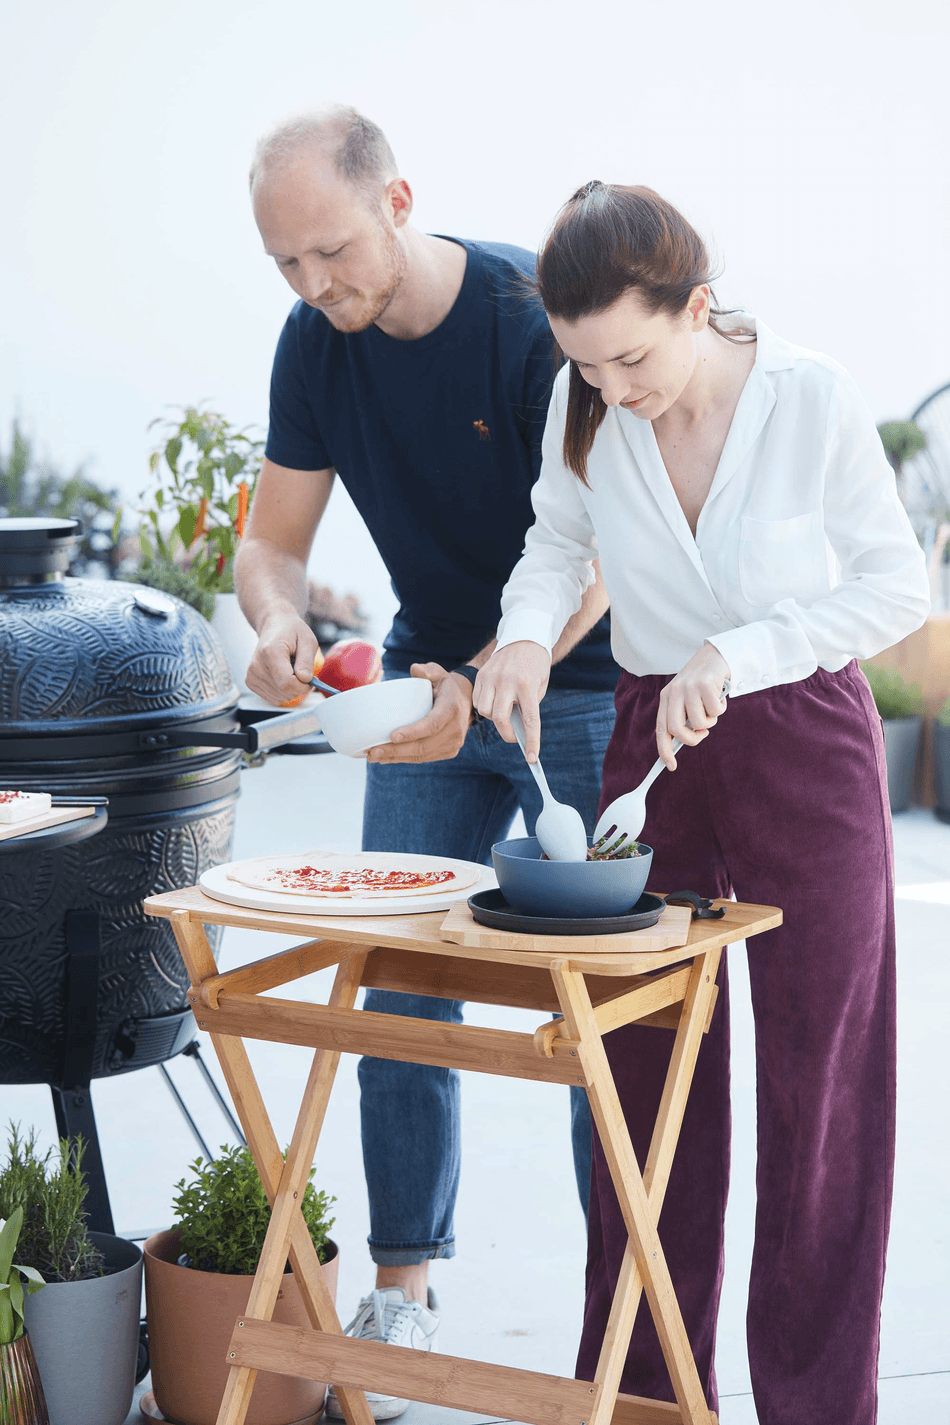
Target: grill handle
x,y
261,731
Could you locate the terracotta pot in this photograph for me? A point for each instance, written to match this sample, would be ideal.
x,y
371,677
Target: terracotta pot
x,y
191,1317
21,1394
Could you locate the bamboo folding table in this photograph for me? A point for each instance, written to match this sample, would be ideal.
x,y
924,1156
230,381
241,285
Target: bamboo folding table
x,y
594,986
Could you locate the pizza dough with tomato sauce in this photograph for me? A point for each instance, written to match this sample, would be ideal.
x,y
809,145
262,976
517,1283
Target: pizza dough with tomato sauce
x,y
361,875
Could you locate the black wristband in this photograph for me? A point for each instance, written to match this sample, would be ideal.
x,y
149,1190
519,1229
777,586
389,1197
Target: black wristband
x,y
467,671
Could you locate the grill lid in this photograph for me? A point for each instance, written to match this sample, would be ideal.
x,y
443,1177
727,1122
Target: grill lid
x,y
80,656
36,548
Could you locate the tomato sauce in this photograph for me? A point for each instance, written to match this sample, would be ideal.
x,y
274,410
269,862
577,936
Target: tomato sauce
x,y
315,878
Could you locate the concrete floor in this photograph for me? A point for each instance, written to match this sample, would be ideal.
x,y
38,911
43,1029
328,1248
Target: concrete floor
x,y
514,1292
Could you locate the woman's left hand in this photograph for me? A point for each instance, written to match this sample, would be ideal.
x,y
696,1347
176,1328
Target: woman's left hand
x,y
692,703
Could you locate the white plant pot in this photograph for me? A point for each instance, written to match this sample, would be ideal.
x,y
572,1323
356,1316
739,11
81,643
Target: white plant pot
x,y
237,636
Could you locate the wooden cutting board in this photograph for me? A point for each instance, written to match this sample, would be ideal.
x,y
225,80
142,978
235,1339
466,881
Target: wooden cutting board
x,y
672,929
56,816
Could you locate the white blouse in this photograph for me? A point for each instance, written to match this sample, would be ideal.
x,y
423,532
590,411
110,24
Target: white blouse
x,y
803,558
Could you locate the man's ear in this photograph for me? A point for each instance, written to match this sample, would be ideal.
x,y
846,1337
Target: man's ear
x,y
397,202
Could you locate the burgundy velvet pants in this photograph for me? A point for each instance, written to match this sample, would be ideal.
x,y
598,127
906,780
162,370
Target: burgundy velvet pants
x,y
785,804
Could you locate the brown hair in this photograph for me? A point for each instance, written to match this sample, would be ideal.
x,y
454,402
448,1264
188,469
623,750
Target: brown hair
x,y
607,240
357,147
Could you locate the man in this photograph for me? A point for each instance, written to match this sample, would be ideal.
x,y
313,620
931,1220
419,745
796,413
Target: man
x,y
419,369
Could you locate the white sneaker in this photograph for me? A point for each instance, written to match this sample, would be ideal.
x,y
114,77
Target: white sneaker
x,y
386,1315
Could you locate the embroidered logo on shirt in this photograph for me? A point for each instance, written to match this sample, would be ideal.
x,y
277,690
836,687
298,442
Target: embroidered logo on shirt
x,y
483,432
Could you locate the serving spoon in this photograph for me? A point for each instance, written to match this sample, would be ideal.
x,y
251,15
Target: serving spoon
x,y
627,814
559,828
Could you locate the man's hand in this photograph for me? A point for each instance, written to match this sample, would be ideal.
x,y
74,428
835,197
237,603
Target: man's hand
x,y
439,735
282,666
517,673
692,702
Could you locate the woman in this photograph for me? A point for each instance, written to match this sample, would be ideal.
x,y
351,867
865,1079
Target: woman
x,y
735,491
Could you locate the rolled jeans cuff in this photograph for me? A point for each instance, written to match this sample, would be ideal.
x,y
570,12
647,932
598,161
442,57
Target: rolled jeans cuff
x,y
392,1255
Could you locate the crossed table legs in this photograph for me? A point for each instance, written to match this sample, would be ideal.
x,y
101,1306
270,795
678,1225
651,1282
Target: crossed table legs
x,y
677,989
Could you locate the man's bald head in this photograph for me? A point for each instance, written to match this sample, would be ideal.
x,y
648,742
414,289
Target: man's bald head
x,y
356,148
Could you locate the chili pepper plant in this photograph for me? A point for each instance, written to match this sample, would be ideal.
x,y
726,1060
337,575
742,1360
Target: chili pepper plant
x,y
194,515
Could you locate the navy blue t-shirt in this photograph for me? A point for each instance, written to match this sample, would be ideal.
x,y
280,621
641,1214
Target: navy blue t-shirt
x,y
438,441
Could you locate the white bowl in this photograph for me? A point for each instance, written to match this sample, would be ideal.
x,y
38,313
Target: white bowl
x,y
362,718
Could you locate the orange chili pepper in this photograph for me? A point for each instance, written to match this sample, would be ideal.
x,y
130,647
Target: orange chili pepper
x,y
200,521
243,497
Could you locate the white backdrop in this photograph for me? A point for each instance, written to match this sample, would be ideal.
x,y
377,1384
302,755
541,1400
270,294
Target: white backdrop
x,y
808,142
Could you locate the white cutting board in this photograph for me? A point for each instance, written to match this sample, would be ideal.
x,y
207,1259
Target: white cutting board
x,y
215,883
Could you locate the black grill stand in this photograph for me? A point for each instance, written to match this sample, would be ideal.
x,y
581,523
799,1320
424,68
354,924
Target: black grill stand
x,y
72,1095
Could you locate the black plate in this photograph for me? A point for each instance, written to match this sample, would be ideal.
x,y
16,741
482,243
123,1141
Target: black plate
x,y
490,908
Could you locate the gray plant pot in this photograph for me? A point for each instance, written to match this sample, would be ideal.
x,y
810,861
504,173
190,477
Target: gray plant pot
x,y
85,1338
901,739
941,747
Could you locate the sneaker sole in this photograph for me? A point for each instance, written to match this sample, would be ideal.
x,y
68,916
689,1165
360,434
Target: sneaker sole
x,y
386,1409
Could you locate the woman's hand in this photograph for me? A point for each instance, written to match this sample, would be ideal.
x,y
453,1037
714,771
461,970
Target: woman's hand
x,y
517,673
692,703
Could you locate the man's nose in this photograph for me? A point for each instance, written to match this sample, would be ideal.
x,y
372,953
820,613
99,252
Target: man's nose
x,y
315,280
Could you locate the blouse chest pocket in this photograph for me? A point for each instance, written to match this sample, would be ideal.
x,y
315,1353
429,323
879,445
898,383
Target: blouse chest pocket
x,y
782,559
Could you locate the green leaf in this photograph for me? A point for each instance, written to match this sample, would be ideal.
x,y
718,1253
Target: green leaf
x,y
146,545
34,1282
16,1294
8,1329
153,460
233,464
205,474
8,1240
186,524
172,452
160,498
117,525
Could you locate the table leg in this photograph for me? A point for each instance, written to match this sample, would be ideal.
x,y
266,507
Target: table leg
x,y
644,1266
284,1182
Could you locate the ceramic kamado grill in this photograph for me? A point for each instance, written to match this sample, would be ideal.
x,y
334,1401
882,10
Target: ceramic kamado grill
x,y
114,696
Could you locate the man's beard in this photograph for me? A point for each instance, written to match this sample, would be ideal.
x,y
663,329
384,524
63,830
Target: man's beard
x,y
375,302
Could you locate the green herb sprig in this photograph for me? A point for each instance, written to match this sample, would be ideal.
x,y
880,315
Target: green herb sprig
x,y
224,1214
51,1191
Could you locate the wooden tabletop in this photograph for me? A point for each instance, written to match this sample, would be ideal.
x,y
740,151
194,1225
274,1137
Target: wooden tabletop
x,y
424,932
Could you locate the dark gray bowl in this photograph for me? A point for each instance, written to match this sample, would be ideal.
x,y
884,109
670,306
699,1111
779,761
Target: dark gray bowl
x,y
574,889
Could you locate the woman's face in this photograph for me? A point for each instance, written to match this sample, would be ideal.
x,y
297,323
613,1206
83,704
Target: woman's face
x,y
637,360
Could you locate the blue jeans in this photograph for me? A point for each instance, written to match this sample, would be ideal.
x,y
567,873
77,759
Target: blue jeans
x,y
410,1112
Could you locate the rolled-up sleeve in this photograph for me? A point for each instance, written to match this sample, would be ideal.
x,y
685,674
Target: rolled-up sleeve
x,y
548,582
883,594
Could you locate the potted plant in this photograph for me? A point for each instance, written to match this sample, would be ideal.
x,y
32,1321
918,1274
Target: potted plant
x,y
21,1393
198,1278
902,440
900,706
84,1325
941,746
193,519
